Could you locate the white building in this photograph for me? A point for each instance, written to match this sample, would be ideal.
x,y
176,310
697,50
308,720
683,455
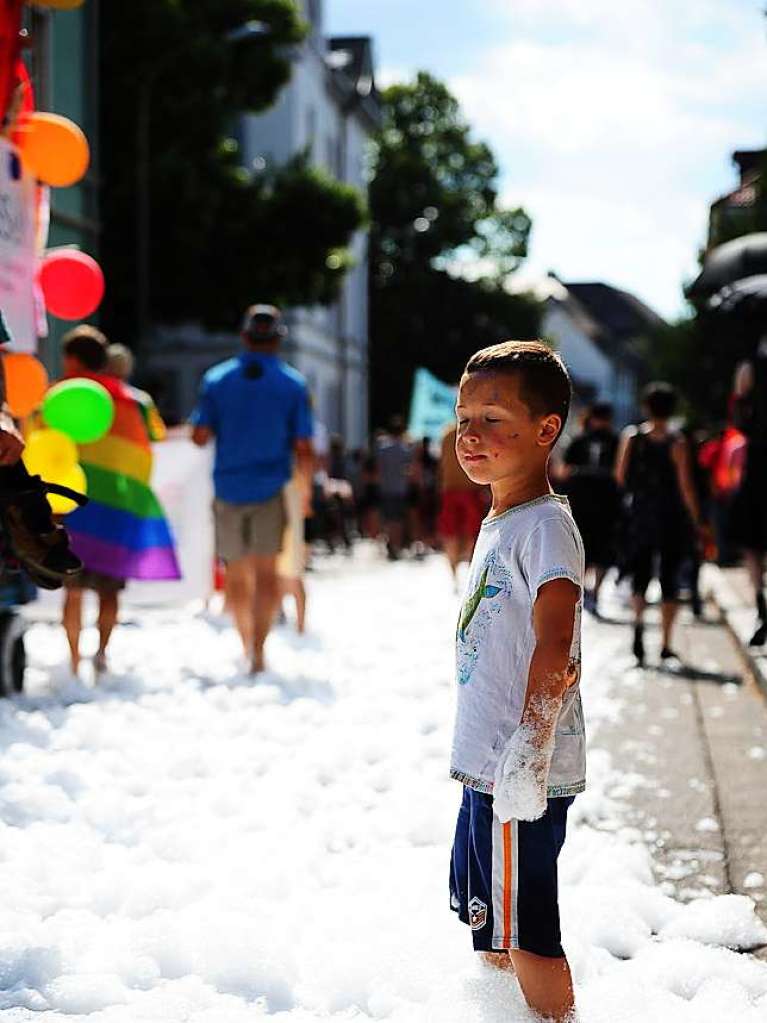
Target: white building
x,y
330,109
598,330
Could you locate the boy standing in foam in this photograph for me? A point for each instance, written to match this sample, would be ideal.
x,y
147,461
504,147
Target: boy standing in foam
x,y
518,746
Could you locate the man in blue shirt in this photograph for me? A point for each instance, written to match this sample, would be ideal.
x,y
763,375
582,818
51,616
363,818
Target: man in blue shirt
x,y
257,409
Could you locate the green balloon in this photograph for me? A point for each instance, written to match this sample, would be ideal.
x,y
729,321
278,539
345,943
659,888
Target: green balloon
x,y
82,409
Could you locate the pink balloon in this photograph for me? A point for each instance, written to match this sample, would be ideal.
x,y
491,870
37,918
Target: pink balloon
x,y
72,283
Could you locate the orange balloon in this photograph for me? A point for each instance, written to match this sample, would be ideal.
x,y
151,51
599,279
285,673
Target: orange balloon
x,y
53,148
26,382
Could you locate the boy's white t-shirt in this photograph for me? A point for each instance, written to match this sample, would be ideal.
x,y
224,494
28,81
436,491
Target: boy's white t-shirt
x,y
516,553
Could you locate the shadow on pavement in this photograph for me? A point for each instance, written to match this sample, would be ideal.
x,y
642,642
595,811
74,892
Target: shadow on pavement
x,y
690,673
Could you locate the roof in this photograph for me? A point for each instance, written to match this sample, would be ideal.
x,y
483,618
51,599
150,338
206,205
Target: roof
x,y
614,319
749,161
350,60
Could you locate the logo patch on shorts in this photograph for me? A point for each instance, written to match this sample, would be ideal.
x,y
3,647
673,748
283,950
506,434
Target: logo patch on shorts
x,y
477,914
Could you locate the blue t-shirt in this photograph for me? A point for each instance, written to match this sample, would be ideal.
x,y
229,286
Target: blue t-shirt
x,y
257,407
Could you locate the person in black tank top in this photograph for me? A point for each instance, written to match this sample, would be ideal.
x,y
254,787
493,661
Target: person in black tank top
x,y
653,467
589,465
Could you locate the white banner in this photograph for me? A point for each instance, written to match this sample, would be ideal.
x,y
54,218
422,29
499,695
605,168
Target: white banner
x,y
182,480
17,249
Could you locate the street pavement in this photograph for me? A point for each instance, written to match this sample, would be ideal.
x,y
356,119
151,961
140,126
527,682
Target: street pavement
x,y
693,737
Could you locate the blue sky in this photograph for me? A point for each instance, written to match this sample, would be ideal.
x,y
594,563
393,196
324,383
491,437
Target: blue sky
x,y
613,120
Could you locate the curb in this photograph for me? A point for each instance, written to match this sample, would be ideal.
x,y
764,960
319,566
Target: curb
x,y
739,621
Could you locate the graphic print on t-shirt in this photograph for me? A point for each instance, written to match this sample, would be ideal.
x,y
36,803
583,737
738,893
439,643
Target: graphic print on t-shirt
x,y
477,611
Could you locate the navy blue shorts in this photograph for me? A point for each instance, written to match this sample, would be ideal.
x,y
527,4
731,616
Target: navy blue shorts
x,y
503,877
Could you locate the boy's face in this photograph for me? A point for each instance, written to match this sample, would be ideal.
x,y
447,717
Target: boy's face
x,y
497,434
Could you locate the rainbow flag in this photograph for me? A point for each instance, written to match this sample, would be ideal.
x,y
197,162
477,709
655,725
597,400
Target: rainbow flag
x,y
122,532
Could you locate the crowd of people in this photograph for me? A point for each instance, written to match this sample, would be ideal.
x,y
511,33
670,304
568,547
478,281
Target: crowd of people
x,y
656,500
651,501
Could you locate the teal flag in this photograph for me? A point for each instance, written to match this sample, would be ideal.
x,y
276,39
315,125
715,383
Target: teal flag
x,y
432,407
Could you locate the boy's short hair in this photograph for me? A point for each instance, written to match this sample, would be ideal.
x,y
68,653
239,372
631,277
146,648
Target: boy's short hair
x,y
88,345
660,399
544,383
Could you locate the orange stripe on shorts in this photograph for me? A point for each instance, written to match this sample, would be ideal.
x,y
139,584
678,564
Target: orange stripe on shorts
x,y
507,884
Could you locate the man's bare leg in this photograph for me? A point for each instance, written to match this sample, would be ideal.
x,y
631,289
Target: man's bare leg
x,y
639,604
295,588
239,595
395,535
72,621
267,603
546,984
668,612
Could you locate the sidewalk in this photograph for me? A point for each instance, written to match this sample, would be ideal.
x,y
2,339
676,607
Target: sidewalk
x,y
695,741
730,591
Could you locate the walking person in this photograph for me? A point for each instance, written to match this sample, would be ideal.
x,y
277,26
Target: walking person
x,y
653,467
368,495
589,464
424,497
394,459
122,532
748,518
723,457
256,409
462,506
291,563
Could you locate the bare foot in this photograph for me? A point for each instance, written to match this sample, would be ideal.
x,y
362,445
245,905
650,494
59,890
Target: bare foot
x,y
74,665
100,663
257,662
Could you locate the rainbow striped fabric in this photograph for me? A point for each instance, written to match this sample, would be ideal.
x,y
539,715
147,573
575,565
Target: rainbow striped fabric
x,y
122,532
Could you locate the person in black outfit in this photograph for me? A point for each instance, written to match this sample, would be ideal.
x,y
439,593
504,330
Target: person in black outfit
x,y
653,467
589,465
748,513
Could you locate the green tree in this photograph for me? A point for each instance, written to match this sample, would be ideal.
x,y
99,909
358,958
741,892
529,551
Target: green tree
x,y
175,75
698,353
441,246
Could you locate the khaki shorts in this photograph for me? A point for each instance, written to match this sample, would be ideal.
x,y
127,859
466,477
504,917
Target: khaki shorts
x,y
243,529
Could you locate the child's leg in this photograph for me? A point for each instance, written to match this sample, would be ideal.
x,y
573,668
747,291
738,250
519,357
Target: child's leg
x,y
72,621
498,960
546,984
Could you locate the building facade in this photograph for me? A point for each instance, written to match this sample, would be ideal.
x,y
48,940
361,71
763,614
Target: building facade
x,y
599,331
329,109
732,215
62,60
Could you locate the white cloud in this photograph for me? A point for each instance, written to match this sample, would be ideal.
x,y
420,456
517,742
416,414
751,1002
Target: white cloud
x,y
613,123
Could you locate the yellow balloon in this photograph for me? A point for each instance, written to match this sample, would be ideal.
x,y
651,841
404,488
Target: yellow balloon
x,y
50,454
75,480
